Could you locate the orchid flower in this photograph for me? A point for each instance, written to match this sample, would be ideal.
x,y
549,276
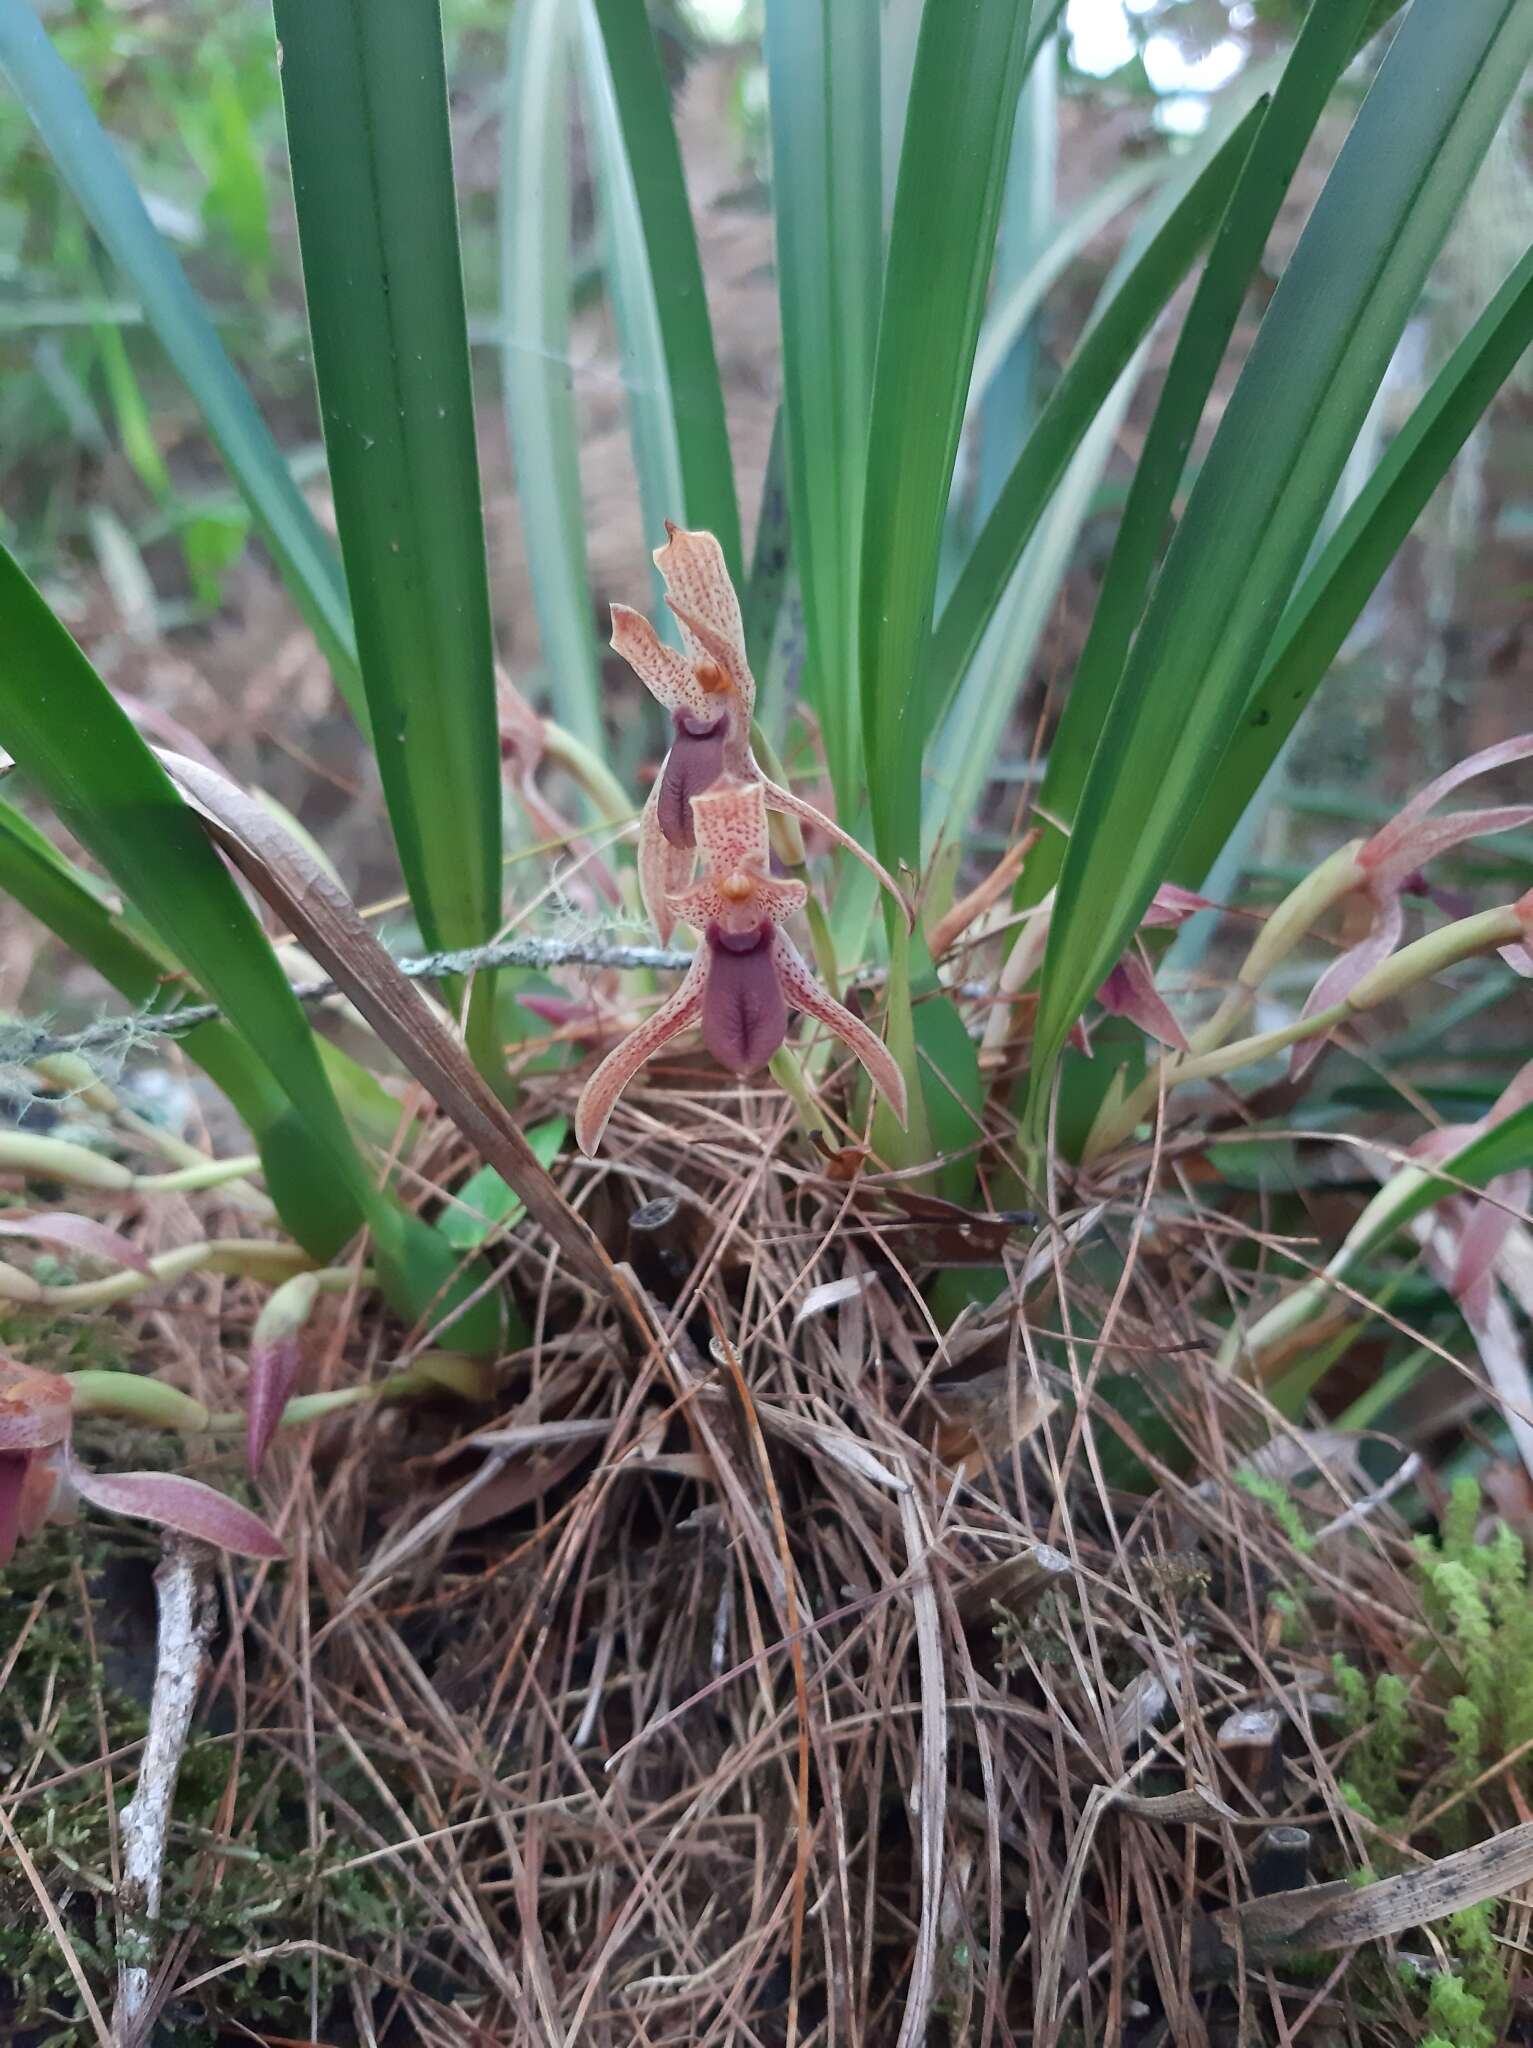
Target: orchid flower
x,y
1389,865
746,975
710,694
42,1481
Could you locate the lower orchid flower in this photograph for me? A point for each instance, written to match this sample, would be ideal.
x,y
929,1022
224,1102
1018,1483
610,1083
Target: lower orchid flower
x,y
746,976
1389,864
41,1480
711,695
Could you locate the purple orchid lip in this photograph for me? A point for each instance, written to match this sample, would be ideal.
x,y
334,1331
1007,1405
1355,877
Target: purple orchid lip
x,y
695,763
745,1013
688,727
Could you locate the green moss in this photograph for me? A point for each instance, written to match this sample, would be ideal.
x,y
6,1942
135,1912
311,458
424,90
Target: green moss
x,y
1457,2015
1274,1495
271,1889
1378,1717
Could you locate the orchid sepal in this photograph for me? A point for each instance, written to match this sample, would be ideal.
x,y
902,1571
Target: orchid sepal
x,y
745,976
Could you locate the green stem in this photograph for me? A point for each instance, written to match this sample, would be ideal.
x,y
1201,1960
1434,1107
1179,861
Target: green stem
x,y
911,1146
207,1173
586,767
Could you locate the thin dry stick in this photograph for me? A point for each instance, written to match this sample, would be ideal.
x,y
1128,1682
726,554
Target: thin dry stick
x,y
111,1039
184,1594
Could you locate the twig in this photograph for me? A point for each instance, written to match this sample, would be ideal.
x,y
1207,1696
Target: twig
x,y
113,1038
184,1594
22,1044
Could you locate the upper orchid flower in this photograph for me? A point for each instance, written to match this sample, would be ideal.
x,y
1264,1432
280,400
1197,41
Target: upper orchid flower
x,y
40,1479
746,975
1387,865
711,696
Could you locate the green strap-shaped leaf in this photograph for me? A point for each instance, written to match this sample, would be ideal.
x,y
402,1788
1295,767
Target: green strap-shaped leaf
x,y
766,586
365,92
535,357
1105,351
1274,463
631,292
90,165
1324,48
643,113
963,98
73,740
827,196
1331,598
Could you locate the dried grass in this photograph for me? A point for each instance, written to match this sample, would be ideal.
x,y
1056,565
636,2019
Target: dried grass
x,y
802,1676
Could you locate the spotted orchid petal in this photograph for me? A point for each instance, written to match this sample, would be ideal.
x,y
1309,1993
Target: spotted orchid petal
x,y
711,905
746,975
702,597
669,677
780,799
678,1013
731,825
738,890
664,869
184,1505
804,993
1343,975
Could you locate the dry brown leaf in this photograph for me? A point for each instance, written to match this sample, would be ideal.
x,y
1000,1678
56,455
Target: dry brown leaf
x,y
1340,1915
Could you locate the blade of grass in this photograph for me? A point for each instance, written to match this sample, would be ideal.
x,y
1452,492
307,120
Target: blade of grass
x,y
827,197
73,740
90,165
1104,352
1281,445
963,101
1322,52
669,242
364,89
1330,600
535,357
